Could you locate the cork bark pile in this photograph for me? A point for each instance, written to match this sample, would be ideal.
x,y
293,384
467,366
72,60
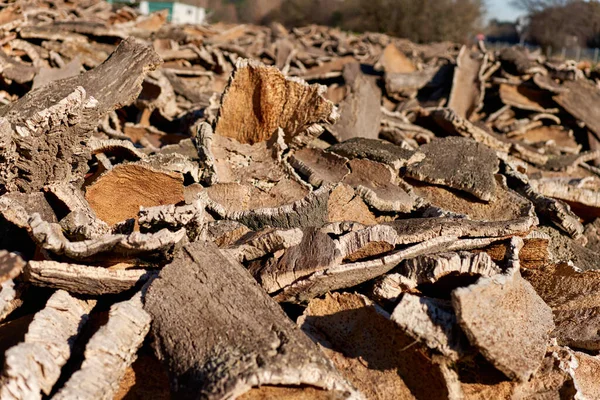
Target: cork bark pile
x,y
235,211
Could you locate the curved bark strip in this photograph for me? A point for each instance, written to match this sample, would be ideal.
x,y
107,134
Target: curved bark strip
x,y
33,366
109,353
83,279
202,294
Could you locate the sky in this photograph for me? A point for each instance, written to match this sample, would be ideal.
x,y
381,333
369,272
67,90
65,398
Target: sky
x,y
501,10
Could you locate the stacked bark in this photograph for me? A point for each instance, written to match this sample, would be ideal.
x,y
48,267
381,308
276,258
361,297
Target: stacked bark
x,y
304,214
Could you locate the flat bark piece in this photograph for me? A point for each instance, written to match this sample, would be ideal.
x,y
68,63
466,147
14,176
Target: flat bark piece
x,y
467,89
360,114
579,101
112,246
428,269
258,330
371,351
312,210
82,279
546,82
340,276
458,163
33,366
583,195
376,150
432,322
110,351
256,245
526,97
572,295
11,265
393,61
49,125
278,102
516,61
225,232
374,182
563,248
407,84
328,70
319,166
506,205
315,252
452,123
47,75
345,204
585,375
506,320
9,298
130,186
14,70
556,134
592,233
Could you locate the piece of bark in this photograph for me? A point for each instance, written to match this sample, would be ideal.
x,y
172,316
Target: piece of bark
x,y
574,301
375,183
407,84
82,279
203,143
376,150
327,70
579,101
132,186
563,248
110,351
546,82
62,115
309,211
432,322
112,246
584,370
448,120
256,245
14,70
556,211
458,163
592,234
345,204
259,330
371,351
526,97
393,61
47,75
517,62
506,320
225,232
9,298
11,265
581,194
279,102
33,367
360,115
467,89
318,166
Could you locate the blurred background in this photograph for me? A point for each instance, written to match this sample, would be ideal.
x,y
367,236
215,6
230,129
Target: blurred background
x,y
559,28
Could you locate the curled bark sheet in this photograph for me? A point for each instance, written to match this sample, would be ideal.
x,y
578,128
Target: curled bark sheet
x,y
33,366
201,361
109,353
62,115
505,319
285,103
50,237
83,279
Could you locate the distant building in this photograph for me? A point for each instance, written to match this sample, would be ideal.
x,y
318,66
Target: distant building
x,y
180,11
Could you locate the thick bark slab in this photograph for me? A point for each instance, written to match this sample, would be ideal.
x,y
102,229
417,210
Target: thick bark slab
x,y
458,163
408,84
33,367
319,167
360,115
468,89
506,320
579,101
109,353
517,62
279,102
393,61
376,150
82,279
201,360
583,194
526,97
62,115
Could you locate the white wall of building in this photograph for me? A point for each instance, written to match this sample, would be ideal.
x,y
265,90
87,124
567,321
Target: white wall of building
x,y
186,14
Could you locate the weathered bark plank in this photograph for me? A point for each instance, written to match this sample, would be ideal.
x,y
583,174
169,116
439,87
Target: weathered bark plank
x,y
109,353
203,294
33,367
